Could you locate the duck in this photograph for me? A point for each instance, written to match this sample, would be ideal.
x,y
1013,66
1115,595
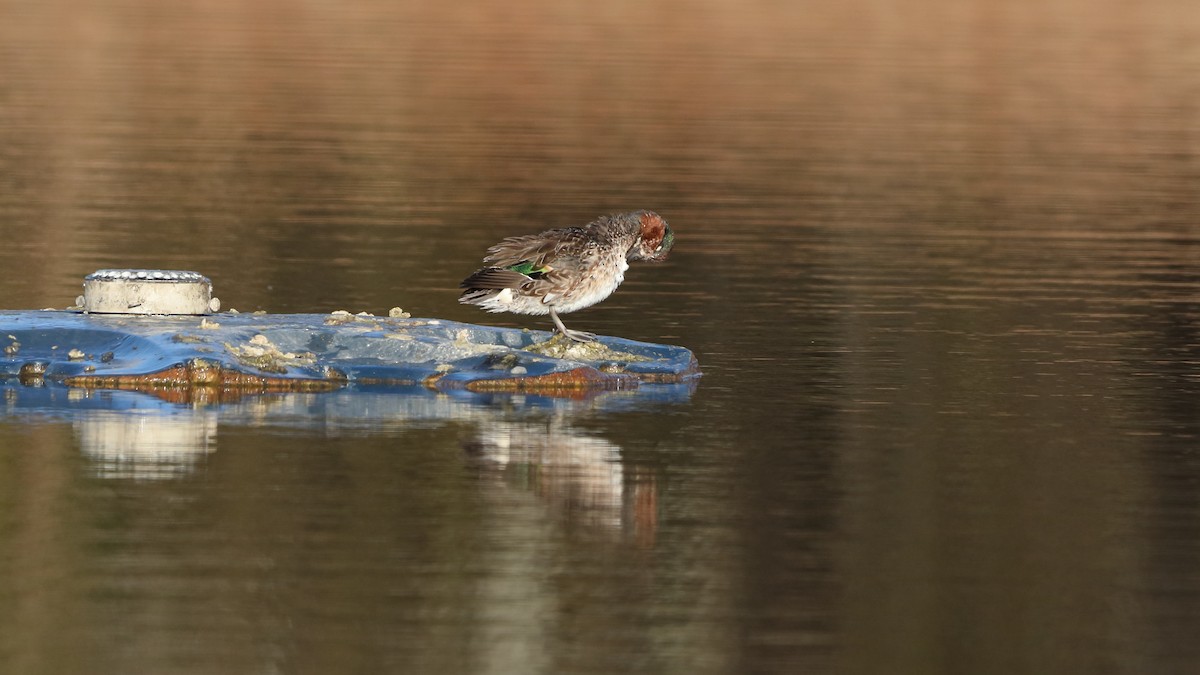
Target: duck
x,y
566,269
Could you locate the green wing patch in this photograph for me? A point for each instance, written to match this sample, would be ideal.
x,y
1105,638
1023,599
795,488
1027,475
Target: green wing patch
x,y
529,269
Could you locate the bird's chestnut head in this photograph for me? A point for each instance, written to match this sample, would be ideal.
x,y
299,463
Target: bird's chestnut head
x,y
655,237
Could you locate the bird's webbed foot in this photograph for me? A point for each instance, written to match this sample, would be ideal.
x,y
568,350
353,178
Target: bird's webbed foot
x,y
579,335
575,335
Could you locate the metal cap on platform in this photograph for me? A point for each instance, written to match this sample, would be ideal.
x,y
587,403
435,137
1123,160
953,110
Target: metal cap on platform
x,y
147,292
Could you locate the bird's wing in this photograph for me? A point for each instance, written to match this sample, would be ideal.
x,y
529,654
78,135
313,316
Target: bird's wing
x,y
494,278
561,246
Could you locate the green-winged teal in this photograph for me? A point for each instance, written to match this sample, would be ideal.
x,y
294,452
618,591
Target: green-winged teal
x,y
566,269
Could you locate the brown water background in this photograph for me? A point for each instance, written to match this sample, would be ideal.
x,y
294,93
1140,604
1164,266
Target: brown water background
x,y
937,259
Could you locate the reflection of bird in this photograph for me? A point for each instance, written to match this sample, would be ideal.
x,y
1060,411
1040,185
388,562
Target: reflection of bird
x,y
577,472
562,270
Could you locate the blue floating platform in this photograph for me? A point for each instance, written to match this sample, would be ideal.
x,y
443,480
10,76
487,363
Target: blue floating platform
x,y
315,351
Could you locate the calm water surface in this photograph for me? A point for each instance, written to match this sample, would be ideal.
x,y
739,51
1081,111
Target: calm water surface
x,y
938,263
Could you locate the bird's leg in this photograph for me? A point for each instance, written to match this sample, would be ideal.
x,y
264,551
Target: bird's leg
x,y
576,335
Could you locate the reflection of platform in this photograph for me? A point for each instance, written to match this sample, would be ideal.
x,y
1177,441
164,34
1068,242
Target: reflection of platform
x,y
294,352
529,442
354,408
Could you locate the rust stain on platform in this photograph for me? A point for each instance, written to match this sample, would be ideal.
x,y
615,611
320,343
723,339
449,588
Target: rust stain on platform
x,y
199,373
564,381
